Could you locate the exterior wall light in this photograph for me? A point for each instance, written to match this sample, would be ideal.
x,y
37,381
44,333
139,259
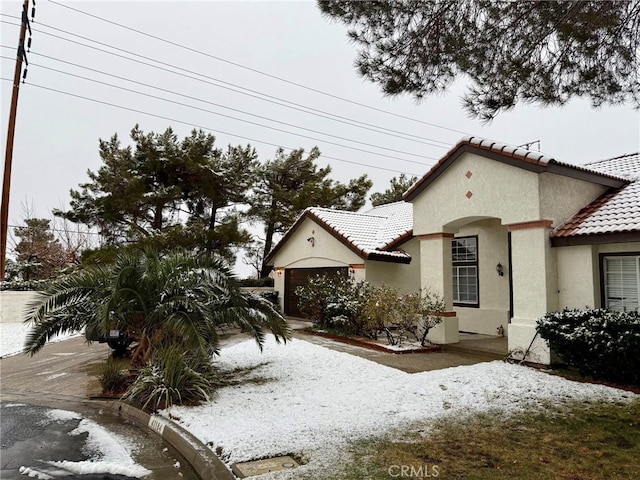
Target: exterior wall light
x,y
279,271
500,269
312,241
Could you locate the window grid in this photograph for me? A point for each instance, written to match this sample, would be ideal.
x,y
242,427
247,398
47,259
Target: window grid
x,y
464,252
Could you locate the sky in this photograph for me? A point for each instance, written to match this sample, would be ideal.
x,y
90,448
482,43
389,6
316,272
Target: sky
x,y
205,62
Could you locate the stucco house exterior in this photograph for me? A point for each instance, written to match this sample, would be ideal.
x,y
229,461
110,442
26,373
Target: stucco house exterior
x,y
506,235
376,246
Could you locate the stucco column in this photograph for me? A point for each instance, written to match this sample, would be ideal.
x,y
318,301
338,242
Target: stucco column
x,y
436,276
535,288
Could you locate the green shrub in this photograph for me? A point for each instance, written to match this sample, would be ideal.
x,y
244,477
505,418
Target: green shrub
x,y
272,296
401,316
334,302
256,282
358,308
173,376
599,343
113,376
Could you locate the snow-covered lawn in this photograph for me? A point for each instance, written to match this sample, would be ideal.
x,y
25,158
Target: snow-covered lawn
x,y
315,400
13,335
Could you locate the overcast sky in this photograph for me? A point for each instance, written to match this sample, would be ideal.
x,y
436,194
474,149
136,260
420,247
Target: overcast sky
x,y
57,134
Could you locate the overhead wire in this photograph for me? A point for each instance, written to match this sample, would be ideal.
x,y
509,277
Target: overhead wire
x,y
191,124
218,113
255,70
101,72
235,118
226,85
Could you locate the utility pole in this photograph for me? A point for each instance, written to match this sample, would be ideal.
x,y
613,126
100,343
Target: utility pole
x,y
6,185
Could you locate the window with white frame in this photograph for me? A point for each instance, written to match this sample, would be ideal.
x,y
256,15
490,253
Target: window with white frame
x,y
620,282
464,259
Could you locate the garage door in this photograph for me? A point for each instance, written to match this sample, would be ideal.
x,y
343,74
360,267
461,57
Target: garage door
x,y
299,277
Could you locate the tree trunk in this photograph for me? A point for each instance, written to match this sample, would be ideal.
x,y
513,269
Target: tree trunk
x,y
211,229
268,243
157,216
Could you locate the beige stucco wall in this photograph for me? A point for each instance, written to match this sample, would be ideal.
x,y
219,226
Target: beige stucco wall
x,y
405,278
298,252
325,251
479,196
579,272
578,282
499,191
494,289
562,197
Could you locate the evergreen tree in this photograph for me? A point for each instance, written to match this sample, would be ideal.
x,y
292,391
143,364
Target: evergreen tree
x,y
544,52
168,193
292,182
39,255
394,192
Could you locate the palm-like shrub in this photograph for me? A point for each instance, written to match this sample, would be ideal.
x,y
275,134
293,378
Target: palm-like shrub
x,y
157,300
173,376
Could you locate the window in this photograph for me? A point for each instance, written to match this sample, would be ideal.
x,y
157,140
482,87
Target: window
x,y
464,256
620,282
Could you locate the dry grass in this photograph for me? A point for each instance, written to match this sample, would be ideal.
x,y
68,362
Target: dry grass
x,y
585,441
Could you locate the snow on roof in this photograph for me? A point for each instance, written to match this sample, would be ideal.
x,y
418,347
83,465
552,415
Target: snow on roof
x,y
373,231
617,211
627,166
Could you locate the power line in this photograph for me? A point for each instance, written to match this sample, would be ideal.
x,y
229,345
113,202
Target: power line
x,y
226,85
254,70
206,128
60,230
101,72
240,119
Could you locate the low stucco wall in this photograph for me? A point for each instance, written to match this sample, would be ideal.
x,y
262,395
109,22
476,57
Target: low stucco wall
x,y
13,305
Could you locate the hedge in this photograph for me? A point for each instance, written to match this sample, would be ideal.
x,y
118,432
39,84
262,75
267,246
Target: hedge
x,y
600,343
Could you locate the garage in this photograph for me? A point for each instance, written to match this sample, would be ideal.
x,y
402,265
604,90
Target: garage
x,y
299,277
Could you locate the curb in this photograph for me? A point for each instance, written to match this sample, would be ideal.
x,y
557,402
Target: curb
x,y
205,463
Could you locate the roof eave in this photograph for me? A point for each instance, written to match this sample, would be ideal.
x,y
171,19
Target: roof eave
x,y
380,257
396,242
596,239
526,162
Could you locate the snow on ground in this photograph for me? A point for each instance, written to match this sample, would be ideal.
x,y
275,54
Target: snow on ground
x,y
107,452
13,335
316,400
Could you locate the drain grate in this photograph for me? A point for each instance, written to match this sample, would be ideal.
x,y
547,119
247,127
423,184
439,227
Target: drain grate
x,y
266,465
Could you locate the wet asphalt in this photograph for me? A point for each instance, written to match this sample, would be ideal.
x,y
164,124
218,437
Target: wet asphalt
x,y
62,376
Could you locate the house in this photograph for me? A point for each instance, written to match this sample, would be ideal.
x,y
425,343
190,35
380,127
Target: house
x,y
376,246
506,234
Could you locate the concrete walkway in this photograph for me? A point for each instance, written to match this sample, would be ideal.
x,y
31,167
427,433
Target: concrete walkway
x,y
472,349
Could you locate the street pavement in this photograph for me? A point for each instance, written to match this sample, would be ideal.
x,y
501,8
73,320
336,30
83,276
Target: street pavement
x,y
63,376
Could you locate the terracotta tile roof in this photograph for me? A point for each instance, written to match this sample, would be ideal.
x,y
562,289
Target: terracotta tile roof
x,y
627,166
517,156
372,234
617,211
